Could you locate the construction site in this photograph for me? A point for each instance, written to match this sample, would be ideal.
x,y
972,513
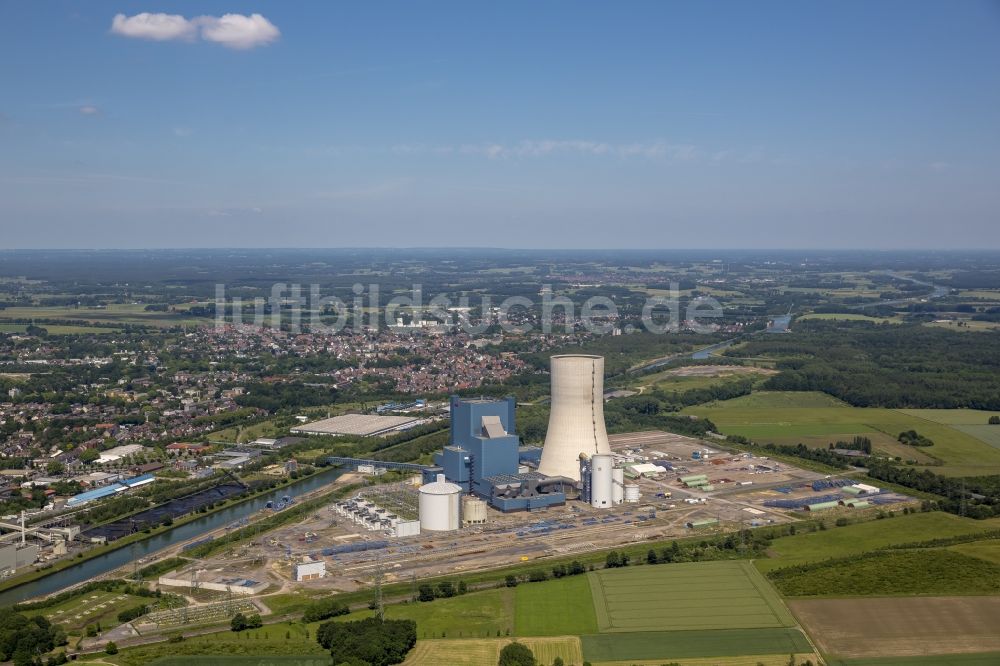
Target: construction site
x,y
354,545
489,502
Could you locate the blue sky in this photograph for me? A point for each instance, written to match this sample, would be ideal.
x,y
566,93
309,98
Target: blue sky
x,y
515,124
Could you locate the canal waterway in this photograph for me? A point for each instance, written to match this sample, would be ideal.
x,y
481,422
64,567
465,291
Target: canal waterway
x,y
102,564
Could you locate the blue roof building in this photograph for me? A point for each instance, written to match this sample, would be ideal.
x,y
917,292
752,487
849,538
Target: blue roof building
x,y
483,454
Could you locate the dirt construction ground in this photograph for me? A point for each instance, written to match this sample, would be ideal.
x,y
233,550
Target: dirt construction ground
x,y
901,626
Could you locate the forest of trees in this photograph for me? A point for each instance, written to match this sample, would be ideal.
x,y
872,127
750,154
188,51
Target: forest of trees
x,y
273,397
22,638
975,497
890,365
368,642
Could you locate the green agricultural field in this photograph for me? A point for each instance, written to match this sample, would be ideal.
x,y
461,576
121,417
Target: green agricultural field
x,y
670,645
972,422
785,417
883,444
893,573
697,595
561,607
472,615
685,379
782,399
861,537
841,316
952,416
968,325
747,660
115,313
984,550
59,329
287,638
980,659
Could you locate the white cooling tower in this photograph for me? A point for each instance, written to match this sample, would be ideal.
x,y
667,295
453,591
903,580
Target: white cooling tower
x,y
576,420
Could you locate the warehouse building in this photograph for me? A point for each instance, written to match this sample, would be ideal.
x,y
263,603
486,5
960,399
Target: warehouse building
x,y
310,568
363,425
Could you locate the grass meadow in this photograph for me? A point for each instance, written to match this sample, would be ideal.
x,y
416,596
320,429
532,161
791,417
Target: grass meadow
x,y
841,541
664,646
555,608
893,573
789,417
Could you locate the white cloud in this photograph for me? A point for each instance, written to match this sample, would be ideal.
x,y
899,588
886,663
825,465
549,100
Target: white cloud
x,y
89,110
234,31
183,132
158,27
237,31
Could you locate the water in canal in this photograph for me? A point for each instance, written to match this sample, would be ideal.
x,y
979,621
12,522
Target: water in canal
x,y
109,561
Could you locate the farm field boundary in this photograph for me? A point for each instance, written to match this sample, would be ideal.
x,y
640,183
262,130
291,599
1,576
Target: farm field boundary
x,y
788,417
555,608
697,595
983,659
665,645
901,626
486,652
745,660
841,541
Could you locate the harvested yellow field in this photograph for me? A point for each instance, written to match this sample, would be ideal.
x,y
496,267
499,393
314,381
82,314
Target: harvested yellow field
x,y
486,651
471,652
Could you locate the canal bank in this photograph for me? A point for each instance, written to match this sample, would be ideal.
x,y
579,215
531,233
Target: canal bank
x,y
117,554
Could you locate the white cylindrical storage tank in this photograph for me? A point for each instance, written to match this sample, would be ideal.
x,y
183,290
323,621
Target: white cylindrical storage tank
x,y
473,511
601,493
576,419
618,485
439,505
632,493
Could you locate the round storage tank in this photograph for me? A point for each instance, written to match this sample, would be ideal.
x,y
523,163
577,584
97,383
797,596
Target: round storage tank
x,y
601,493
439,505
618,485
473,511
631,493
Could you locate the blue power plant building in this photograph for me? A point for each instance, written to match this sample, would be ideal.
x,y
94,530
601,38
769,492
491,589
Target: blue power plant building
x,y
483,455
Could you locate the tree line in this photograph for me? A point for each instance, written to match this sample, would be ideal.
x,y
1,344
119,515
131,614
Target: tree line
x,y
890,365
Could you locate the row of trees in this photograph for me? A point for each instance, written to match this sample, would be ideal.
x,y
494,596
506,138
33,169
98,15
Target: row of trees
x,y
913,438
825,456
857,443
975,497
443,590
324,609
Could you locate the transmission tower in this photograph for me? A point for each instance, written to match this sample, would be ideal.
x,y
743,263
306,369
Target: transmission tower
x,y
379,605
963,497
